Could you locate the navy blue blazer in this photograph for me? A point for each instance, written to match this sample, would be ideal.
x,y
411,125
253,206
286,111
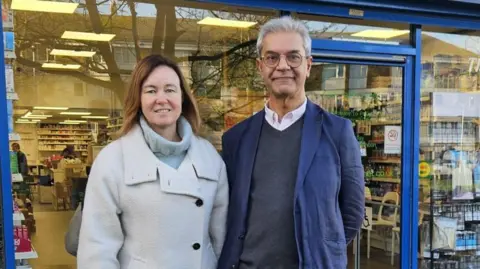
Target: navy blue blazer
x,y
329,193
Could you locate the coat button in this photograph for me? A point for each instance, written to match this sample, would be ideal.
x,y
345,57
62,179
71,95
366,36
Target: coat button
x,y
196,246
241,237
199,202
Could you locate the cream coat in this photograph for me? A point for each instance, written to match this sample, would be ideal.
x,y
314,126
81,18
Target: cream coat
x,y
140,213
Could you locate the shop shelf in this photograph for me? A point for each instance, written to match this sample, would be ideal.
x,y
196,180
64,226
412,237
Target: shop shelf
x,y
17,178
18,216
26,255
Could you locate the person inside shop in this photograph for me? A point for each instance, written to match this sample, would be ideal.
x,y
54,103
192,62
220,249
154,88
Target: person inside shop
x,y
21,159
157,197
69,152
294,170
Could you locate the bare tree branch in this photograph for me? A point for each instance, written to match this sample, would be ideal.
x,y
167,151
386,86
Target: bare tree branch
x,y
131,5
105,49
217,56
159,30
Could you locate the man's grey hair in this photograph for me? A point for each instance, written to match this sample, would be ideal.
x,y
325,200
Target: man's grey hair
x,y
285,24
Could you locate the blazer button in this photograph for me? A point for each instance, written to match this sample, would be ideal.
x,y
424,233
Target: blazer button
x,y
196,246
199,202
241,237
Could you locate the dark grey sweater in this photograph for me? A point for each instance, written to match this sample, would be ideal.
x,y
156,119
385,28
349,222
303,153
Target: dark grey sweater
x,y
270,238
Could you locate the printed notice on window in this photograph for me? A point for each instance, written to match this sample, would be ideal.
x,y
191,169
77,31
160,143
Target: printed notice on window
x,y
393,139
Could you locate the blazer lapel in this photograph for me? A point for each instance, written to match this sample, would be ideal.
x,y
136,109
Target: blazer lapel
x,y
311,134
247,153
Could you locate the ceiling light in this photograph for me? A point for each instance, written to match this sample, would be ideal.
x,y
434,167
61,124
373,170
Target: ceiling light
x,y
37,117
62,122
94,117
72,53
61,66
30,122
87,36
226,23
44,6
380,34
29,115
50,108
76,121
76,113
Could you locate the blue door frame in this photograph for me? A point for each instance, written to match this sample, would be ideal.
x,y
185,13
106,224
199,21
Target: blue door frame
x,y
5,176
386,55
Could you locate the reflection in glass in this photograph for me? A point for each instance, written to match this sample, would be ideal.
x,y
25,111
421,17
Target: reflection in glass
x,y
371,97
449,169
322,27
103,40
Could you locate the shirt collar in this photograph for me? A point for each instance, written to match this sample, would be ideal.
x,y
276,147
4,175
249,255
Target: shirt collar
x,y
292,115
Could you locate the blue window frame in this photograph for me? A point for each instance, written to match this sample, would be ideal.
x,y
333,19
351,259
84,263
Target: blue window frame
x,y
443,14
5,175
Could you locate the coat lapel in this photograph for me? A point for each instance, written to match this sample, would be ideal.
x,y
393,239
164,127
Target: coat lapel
x,y
248,151
311,134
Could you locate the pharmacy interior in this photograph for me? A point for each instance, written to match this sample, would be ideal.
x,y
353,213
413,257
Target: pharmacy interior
x,y
408,81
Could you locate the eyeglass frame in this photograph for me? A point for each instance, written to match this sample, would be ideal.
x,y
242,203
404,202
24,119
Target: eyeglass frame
x,y
262,58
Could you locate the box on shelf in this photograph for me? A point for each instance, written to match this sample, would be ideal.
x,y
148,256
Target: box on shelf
x,y
22,239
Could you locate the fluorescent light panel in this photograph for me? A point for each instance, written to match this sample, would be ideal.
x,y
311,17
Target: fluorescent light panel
x,y
29,115
44,6
76,121
26,121
72,53
76,113
50,108
226,23
61,66
62,122
94,117
87,36
37,117
380,34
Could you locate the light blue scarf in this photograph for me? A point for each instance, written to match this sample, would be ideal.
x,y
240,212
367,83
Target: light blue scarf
x,y
169,152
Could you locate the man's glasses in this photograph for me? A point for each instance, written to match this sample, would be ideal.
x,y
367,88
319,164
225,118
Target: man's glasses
x,y
272,59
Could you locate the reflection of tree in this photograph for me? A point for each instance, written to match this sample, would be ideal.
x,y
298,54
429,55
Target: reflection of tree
x,y
218,58
221,59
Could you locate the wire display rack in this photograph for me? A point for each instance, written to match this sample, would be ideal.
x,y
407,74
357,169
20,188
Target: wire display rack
x,y
451,236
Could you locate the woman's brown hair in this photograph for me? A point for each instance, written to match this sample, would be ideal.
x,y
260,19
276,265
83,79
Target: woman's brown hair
x,y
132,101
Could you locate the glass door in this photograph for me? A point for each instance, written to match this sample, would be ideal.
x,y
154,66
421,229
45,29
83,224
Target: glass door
x,y
370,94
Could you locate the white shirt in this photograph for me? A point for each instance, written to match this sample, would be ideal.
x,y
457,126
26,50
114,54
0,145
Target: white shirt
x,y
290,118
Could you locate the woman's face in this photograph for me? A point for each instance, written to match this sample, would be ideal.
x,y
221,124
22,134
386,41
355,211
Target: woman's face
x,y
161,99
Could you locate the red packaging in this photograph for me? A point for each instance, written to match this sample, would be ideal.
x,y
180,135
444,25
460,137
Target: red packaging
x,y
25,232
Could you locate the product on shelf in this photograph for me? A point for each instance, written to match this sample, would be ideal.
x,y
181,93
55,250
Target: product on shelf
x,y
21,239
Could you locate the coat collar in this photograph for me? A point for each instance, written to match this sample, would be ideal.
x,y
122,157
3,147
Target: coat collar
x,y
141,165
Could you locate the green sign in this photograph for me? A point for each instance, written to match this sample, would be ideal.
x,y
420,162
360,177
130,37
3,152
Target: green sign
x,y
13,163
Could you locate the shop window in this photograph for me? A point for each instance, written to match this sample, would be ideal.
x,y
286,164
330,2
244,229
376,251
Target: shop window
x,y
346,29
449,169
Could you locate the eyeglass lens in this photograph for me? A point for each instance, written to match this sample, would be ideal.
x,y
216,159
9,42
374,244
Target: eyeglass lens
x,y
294,59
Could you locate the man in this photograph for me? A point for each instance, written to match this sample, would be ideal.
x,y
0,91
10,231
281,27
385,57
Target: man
x,y
69,152
295,171
21,159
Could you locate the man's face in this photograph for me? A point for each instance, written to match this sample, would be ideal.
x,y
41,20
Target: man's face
x,y
15,148
283,64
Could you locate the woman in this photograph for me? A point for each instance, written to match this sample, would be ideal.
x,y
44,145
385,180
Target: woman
x,y
157,197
